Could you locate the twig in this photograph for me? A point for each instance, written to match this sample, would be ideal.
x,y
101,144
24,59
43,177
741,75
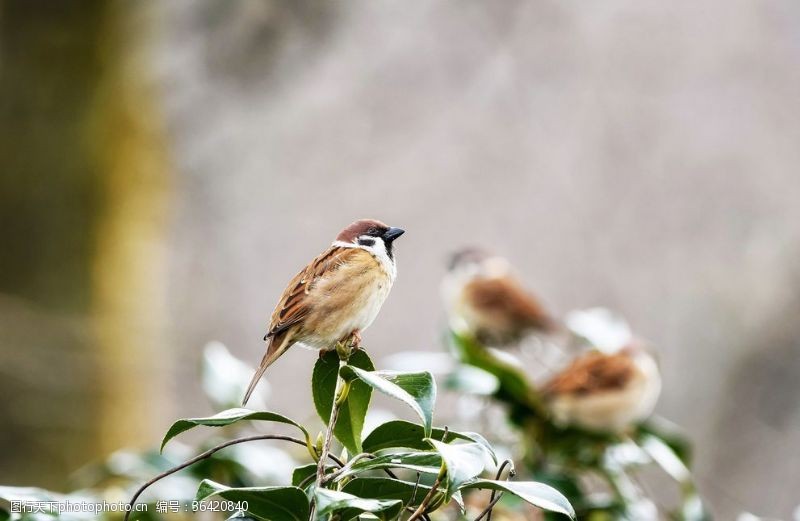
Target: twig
x,y
414,496
326,446
345,467
488,509
339,396
492,499
416,487
349,465
207,454
420,511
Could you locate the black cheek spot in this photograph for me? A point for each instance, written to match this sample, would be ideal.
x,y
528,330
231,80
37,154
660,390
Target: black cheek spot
x,y
366,242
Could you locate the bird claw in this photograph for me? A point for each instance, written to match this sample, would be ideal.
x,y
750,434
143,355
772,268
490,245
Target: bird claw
x,y
355,340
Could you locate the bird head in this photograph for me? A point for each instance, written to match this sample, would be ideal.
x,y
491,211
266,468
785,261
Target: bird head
x,y
371,235
477,261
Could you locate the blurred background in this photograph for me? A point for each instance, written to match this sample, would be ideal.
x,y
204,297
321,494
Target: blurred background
x,y
167,167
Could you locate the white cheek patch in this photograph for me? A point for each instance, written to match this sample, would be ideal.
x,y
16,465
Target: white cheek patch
x,y
377,249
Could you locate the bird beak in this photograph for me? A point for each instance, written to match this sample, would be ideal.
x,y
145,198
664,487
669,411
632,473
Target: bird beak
x,y
392,234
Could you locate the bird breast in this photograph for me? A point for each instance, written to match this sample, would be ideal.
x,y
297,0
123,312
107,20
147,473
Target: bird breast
x,y
348,300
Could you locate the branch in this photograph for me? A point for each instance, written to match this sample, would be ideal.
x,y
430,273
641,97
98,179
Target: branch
x,y
420,511
339,395
488,509
492,499
210,452
343,350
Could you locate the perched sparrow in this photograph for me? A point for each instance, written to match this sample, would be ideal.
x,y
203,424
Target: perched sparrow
x,y
605,392
483,297
336,296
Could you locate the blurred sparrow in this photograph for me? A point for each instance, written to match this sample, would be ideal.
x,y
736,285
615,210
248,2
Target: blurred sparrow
x,y
336,296
482,297
605,392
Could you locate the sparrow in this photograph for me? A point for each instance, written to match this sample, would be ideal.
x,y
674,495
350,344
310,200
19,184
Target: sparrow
x,y
336,296
605,392
482,297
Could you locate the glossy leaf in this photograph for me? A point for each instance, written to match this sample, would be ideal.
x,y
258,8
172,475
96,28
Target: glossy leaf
x,y
224,418
425,462
480,440
401,433
670,434
463,461
348,506
417,390
409,493
694,509
263,503
240,516
302,473
537,494
513,387
666,458
472,380
353,411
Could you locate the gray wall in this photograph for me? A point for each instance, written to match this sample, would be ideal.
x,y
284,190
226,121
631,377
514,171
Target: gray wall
x,y
638,155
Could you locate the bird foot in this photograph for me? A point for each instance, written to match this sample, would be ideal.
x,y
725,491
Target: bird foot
x,y
355,339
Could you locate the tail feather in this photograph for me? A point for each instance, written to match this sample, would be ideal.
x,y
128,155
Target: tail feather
x,y
270,357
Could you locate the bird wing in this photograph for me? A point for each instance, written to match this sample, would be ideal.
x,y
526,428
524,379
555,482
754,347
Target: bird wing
x,y
294,304
591,373
504,297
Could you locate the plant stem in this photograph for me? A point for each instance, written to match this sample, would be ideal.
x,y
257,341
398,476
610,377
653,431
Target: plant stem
x,y
344,350
326,445
488,509
210,452
492,499
420,511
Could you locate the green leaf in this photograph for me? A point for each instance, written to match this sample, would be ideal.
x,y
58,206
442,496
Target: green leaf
x,y
537,494
263,503
463,461
480,440
472,380
693,509
666,458
352,412
409,493
228,417
459,499
302,473
514,387
424,462
417,390
403,434
240,516
400,433
349,506
670,434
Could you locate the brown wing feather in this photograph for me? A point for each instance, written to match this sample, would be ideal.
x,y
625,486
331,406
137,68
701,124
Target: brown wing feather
x,y
294,306
591,373
503,296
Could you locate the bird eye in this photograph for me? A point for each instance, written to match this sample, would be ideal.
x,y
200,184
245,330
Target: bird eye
x,y
366,242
